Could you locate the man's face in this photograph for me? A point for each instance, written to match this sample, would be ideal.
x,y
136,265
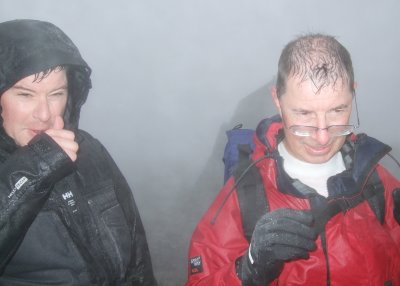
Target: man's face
x,y
30,107
303,104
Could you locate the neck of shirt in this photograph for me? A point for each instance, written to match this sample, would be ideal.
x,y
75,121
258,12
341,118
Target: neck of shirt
x,y
313,175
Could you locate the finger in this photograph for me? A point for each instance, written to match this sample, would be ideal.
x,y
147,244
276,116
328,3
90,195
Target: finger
x,y
69,146
58,123
290,239
61,133
287,225
66,142
301,216
286,253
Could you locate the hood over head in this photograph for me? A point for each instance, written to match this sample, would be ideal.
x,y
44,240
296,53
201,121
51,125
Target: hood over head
x,y
29,47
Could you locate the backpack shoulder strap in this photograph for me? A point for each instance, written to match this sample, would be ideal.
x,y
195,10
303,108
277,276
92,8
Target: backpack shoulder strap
x,y
250,191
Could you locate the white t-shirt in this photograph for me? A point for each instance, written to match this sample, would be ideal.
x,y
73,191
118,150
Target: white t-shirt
x,y
313,175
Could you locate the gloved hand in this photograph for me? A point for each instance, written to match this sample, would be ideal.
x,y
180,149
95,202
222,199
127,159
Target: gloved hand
x,y
279,236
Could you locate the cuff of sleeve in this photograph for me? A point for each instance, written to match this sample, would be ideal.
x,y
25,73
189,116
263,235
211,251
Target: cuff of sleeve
x,y
58,162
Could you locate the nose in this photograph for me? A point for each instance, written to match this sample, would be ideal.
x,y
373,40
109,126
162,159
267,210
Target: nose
x,y
322,135
42,110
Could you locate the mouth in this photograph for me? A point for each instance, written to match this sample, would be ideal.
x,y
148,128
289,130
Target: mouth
x,y
36,131
319,150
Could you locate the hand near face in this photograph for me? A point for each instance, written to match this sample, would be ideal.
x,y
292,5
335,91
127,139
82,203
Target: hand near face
x,y
64,138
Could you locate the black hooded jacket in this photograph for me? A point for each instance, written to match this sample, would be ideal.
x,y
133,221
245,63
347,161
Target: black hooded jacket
x,y
63,222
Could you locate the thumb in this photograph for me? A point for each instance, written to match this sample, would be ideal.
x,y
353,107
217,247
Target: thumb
x,y
58,123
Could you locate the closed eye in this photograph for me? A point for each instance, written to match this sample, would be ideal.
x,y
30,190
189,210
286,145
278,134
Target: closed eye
x,y
302,113
340,109
58,94
24,94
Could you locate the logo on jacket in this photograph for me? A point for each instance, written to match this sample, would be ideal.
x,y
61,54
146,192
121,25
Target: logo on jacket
x,y
69,198
18,185
67,195
196,265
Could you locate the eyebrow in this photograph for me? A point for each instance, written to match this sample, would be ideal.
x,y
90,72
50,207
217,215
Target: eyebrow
x,y
20,87
341,106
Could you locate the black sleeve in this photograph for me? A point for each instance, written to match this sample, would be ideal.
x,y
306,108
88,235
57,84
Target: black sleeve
x,y
26,179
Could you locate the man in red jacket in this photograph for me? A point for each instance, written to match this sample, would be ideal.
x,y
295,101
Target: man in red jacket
x,y
333,212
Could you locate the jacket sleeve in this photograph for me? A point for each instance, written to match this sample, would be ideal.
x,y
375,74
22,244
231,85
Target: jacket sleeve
x,y
140,271
217,241
26,179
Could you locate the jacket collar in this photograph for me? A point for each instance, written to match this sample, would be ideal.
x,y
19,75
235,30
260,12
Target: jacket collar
x,y
361,154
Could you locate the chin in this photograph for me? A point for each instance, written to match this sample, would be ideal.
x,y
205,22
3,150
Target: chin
x,y
23,141
319,159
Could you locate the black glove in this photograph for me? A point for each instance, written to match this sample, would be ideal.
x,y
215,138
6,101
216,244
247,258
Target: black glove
x,y
279,236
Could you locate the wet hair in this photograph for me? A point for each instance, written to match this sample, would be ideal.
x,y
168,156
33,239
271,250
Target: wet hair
x,y
79,84
316,57
43,74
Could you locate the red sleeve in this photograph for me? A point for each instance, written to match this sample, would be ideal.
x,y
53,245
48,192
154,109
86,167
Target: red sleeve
x,y
217,242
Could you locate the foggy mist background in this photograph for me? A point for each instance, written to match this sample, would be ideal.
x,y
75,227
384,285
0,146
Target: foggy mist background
x,y
171,76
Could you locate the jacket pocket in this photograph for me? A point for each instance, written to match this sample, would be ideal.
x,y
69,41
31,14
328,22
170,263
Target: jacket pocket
x,y
113,228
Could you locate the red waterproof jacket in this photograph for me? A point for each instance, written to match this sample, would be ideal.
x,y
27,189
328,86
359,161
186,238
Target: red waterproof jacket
x,y
360,248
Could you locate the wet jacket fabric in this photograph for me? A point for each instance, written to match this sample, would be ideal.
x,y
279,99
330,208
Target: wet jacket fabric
x,y
362,247
63,222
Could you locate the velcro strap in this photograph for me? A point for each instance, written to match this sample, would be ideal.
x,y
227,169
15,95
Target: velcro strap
x,y
326,210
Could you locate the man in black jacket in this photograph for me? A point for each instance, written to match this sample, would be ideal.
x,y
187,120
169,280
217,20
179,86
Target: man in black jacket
x,y
67,214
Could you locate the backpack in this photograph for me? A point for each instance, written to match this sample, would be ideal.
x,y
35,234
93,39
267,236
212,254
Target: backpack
x,y
251,194
237,136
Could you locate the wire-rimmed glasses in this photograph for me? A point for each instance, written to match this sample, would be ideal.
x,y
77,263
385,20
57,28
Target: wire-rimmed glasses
x,y
333,130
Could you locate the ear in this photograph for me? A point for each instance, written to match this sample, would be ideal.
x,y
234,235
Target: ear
x,y
275,98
